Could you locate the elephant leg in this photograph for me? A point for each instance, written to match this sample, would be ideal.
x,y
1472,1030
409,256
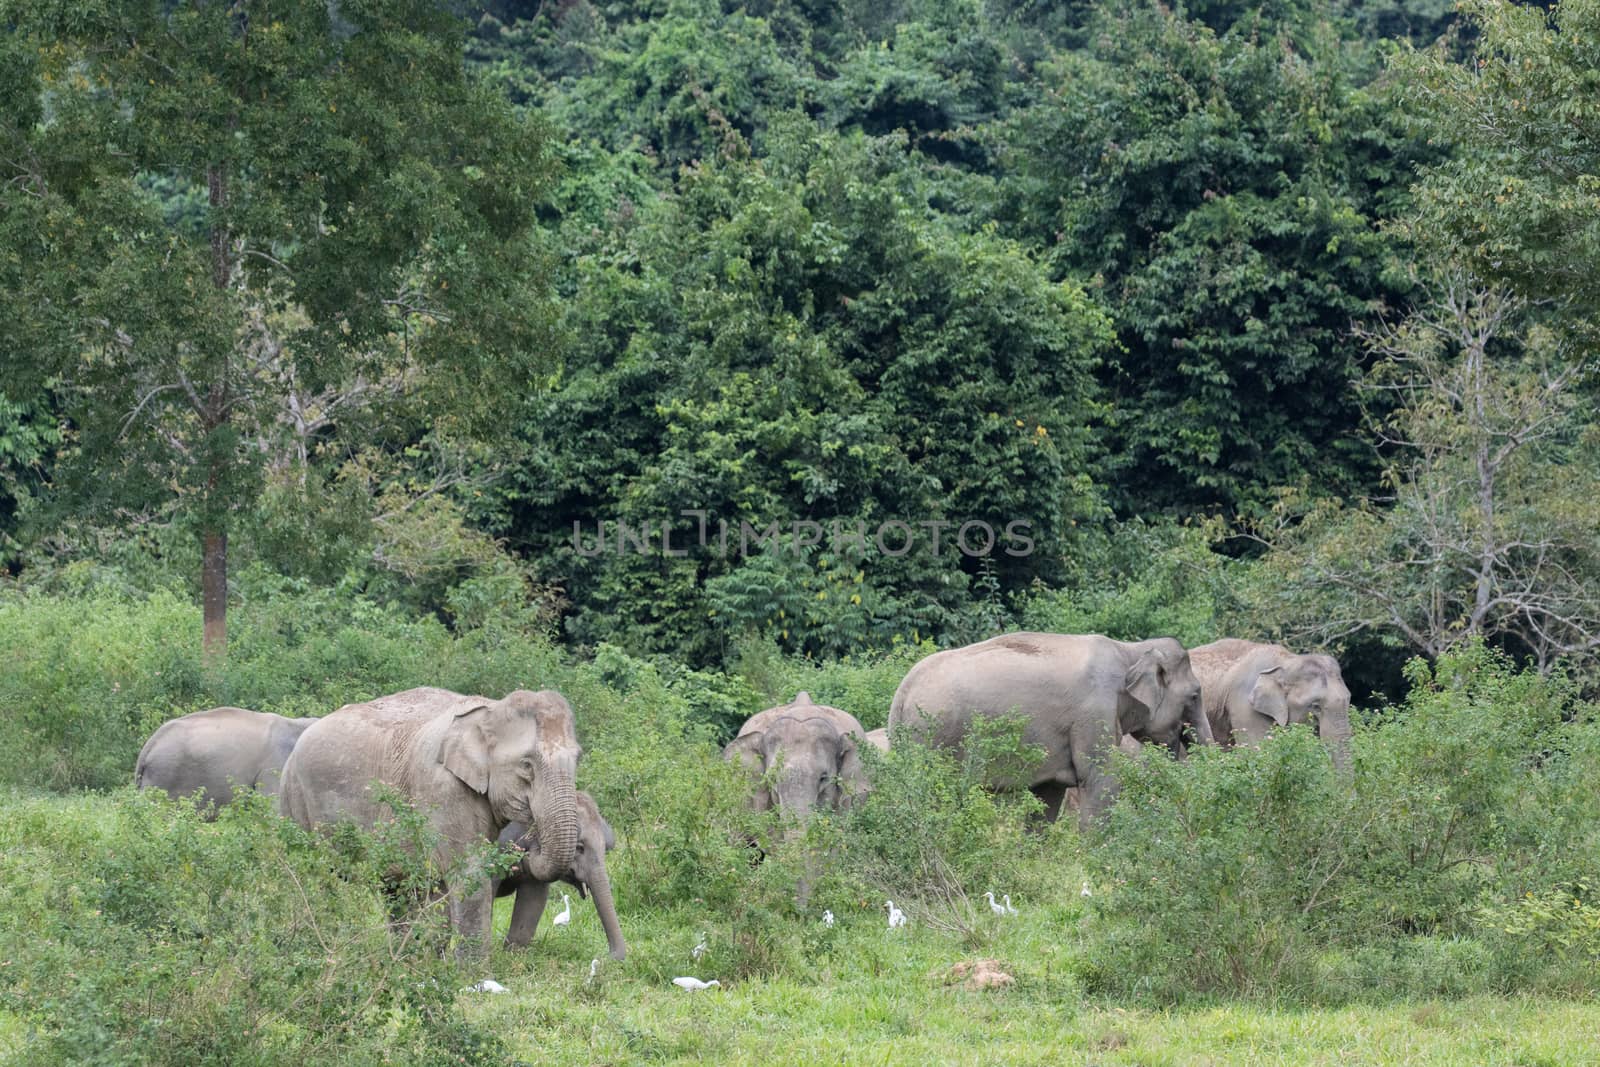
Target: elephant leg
x,y
1096,788
526,912
473,919
1053,795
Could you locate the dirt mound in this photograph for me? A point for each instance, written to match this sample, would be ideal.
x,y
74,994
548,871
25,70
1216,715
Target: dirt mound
x,y
979,974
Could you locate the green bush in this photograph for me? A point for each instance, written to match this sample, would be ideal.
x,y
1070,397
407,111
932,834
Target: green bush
x,y
1471,815
1133,580
133,932
89,678
931,834
863,684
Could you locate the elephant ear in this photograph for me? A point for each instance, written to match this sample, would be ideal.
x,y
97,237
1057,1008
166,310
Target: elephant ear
x,y
1266,697
465,752
746,751
1145,679
852,774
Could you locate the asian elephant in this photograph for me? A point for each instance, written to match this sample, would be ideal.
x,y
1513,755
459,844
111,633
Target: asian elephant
x,y
217,751
588,872
1250,688
879,738
817,747
1079,695
469,764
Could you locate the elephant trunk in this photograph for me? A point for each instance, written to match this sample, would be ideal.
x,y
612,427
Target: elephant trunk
x,y
796,795
600,889
555,814
1197,719
1333,726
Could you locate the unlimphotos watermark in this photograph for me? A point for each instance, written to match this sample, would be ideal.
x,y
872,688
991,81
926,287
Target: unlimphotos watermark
x,y
893,537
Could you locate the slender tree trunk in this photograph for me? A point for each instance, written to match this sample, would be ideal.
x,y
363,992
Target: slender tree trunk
x,y
214,592
214,533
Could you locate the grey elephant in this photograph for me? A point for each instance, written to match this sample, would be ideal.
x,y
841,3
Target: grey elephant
x,y
1250,688
216,751
470,764
879,738
1078,695
817,748
588,872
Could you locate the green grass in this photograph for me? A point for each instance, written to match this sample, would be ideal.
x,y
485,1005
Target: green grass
x,y
860,994
877,997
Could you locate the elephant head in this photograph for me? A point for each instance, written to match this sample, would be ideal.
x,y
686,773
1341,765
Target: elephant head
x,y
1303,689
814,748
521,754
1161,696
588,873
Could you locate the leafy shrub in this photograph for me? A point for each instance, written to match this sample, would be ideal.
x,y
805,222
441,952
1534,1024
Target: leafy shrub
x,y
863,685
1215,871
133,932
931,834
1132,581
90,678
1264,872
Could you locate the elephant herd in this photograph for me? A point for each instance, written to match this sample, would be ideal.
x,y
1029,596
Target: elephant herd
x,y
1079,696
479,770
505,770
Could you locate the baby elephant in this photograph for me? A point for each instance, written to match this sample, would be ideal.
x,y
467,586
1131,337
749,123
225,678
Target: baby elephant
x,y
588,871
218,751
816,746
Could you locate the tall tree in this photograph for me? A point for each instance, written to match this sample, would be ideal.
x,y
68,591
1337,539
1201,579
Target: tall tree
x,y
208,204
1222,191
1489,531
1518,201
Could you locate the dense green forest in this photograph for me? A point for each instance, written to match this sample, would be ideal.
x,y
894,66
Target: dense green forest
x,y
683,354
1221,299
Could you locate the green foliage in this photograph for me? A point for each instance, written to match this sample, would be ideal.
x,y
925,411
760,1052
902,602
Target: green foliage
x,y
1486,527
930,834
1225,205
1517,200
244,225
91,676
133,932
1135,581
794,340
1266,873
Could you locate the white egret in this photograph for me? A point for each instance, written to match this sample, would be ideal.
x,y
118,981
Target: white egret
x,y
998,909
1009,909
1086,892
566,911
897,918
693,984
489,985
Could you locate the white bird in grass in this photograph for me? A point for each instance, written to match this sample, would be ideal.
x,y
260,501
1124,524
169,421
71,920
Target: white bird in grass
x,y
1086,892
897,918
594,967
998,909
1009,909
692,984
827,918
700,948
566,911
489,985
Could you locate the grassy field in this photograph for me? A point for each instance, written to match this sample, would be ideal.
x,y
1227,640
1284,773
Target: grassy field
x,y
879,997
858,993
